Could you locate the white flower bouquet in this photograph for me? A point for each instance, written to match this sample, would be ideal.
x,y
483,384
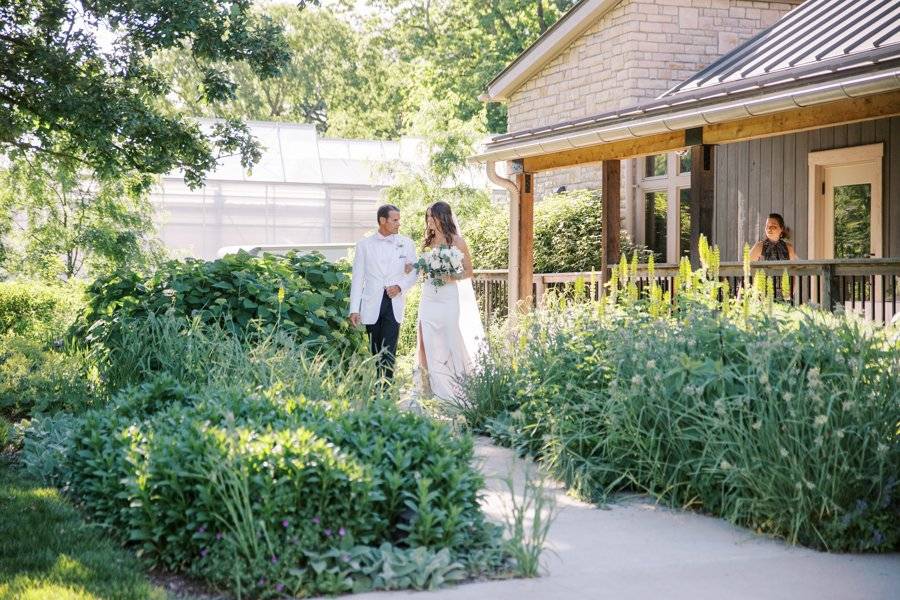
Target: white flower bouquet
x,y
439,262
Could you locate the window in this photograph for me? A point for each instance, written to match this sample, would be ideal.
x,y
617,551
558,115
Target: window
x,y
657,206
684,221
684,162
852,220
655,166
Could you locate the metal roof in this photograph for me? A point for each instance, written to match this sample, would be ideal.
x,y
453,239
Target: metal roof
x,y
817,32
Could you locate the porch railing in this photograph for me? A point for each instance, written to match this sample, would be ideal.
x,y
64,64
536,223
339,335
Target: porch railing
x,y
867,286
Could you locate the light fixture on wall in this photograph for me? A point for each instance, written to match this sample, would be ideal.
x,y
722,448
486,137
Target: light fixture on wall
x,y
560,189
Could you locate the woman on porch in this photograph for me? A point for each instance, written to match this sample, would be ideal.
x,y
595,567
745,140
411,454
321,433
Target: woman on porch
x,y
775,245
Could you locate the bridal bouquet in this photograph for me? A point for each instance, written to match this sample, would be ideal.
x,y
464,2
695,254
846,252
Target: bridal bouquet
x,y
440,261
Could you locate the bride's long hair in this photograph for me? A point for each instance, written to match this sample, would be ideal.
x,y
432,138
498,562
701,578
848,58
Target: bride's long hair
x,y
440,212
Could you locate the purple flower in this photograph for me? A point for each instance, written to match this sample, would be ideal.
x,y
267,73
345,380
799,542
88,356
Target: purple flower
x,y
274,559
219,535
315,520
285,523
279,587
327,533
201,529
345,558
204,552
262,581
342,532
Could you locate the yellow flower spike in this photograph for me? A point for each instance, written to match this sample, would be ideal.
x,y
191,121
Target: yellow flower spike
x,y
623,270
746,265
786,286
704,251
651,267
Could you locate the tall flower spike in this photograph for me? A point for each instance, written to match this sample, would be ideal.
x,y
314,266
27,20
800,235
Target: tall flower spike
x,y
703,247
746,265
623,270
786,286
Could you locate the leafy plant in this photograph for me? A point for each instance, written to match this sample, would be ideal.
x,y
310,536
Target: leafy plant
x,y
528,520
35,380
256,454
38,311
301,294
48,440
780,419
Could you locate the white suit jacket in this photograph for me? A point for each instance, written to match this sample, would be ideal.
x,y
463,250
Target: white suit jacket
x,y
370,277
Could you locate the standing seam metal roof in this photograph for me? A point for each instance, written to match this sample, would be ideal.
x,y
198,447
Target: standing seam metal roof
x,y
815,32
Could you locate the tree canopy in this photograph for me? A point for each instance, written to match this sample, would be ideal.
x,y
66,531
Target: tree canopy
x,y
77,83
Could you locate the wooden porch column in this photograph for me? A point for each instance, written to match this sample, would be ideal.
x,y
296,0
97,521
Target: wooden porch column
x,y
525,182
612,221
703,197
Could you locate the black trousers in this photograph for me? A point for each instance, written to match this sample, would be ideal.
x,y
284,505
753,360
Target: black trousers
x,y
383,336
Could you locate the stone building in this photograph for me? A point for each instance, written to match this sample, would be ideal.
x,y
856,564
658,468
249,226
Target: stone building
x,y
605,55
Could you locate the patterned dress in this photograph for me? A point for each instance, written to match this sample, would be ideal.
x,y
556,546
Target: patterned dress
x,y
775,251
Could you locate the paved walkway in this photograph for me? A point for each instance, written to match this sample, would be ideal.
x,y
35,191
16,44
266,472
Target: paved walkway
x,y
635,550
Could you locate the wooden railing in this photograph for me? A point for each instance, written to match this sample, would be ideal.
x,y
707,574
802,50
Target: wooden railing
x,y
867,286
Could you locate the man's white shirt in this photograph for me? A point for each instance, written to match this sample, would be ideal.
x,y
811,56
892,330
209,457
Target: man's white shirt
x,y
379,263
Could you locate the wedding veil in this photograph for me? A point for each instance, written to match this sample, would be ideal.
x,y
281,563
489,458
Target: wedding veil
x,y
470,325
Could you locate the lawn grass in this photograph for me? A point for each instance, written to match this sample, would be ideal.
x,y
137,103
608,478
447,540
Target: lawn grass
x,y
47,551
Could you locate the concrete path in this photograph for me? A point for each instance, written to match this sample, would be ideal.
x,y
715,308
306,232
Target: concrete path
x,y
635,550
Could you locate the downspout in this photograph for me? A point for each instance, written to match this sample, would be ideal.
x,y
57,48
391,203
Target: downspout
x,y
512,278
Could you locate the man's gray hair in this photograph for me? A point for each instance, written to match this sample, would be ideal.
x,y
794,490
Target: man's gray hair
x,y
384,211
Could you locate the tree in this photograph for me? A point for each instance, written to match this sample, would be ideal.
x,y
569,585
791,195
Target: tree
x,y
68,224
460,45
336,78
448,141
76,81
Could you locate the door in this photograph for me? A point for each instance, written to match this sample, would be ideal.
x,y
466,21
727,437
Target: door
x,y
845,219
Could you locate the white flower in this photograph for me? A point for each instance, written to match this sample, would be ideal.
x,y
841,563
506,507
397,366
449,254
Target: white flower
x,y
820,420
757,425
725,465
787,396
809,484
882,449
651,364
848,404
840,434
764,378
783,452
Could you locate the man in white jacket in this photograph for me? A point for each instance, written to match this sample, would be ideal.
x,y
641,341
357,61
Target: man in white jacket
x,y
379,285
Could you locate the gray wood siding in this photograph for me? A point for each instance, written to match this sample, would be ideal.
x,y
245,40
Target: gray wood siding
x,y
758,177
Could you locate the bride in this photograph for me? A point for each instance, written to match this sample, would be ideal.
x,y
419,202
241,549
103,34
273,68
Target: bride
x,y
449,329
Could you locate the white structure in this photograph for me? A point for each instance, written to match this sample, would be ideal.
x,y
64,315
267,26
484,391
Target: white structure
x,y
305,190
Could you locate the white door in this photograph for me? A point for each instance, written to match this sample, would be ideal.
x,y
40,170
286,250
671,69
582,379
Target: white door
x,y
845,203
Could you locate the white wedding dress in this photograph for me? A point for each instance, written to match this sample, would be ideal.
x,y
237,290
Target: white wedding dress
x,y
451,336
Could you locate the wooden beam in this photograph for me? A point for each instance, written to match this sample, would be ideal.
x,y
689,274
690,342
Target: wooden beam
x,y
652,144
525,182
703,197
849,110
612,221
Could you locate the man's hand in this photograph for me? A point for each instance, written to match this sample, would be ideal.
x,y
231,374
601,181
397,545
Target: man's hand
x,y
393,291
354,319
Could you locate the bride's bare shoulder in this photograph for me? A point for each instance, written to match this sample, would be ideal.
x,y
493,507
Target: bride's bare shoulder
x,y
459,242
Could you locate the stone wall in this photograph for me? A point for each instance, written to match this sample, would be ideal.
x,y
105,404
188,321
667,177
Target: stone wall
x,y
635,52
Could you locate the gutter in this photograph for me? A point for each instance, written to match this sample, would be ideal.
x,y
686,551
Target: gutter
x,y
512,277
668,118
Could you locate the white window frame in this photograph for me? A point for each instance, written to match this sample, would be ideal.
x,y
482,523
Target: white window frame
x,y
670,183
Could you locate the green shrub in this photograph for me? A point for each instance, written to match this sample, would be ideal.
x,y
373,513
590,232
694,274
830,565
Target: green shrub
x,y
567,230
38,311
48,440
36,380
302,294
779,419
251,463
407,341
